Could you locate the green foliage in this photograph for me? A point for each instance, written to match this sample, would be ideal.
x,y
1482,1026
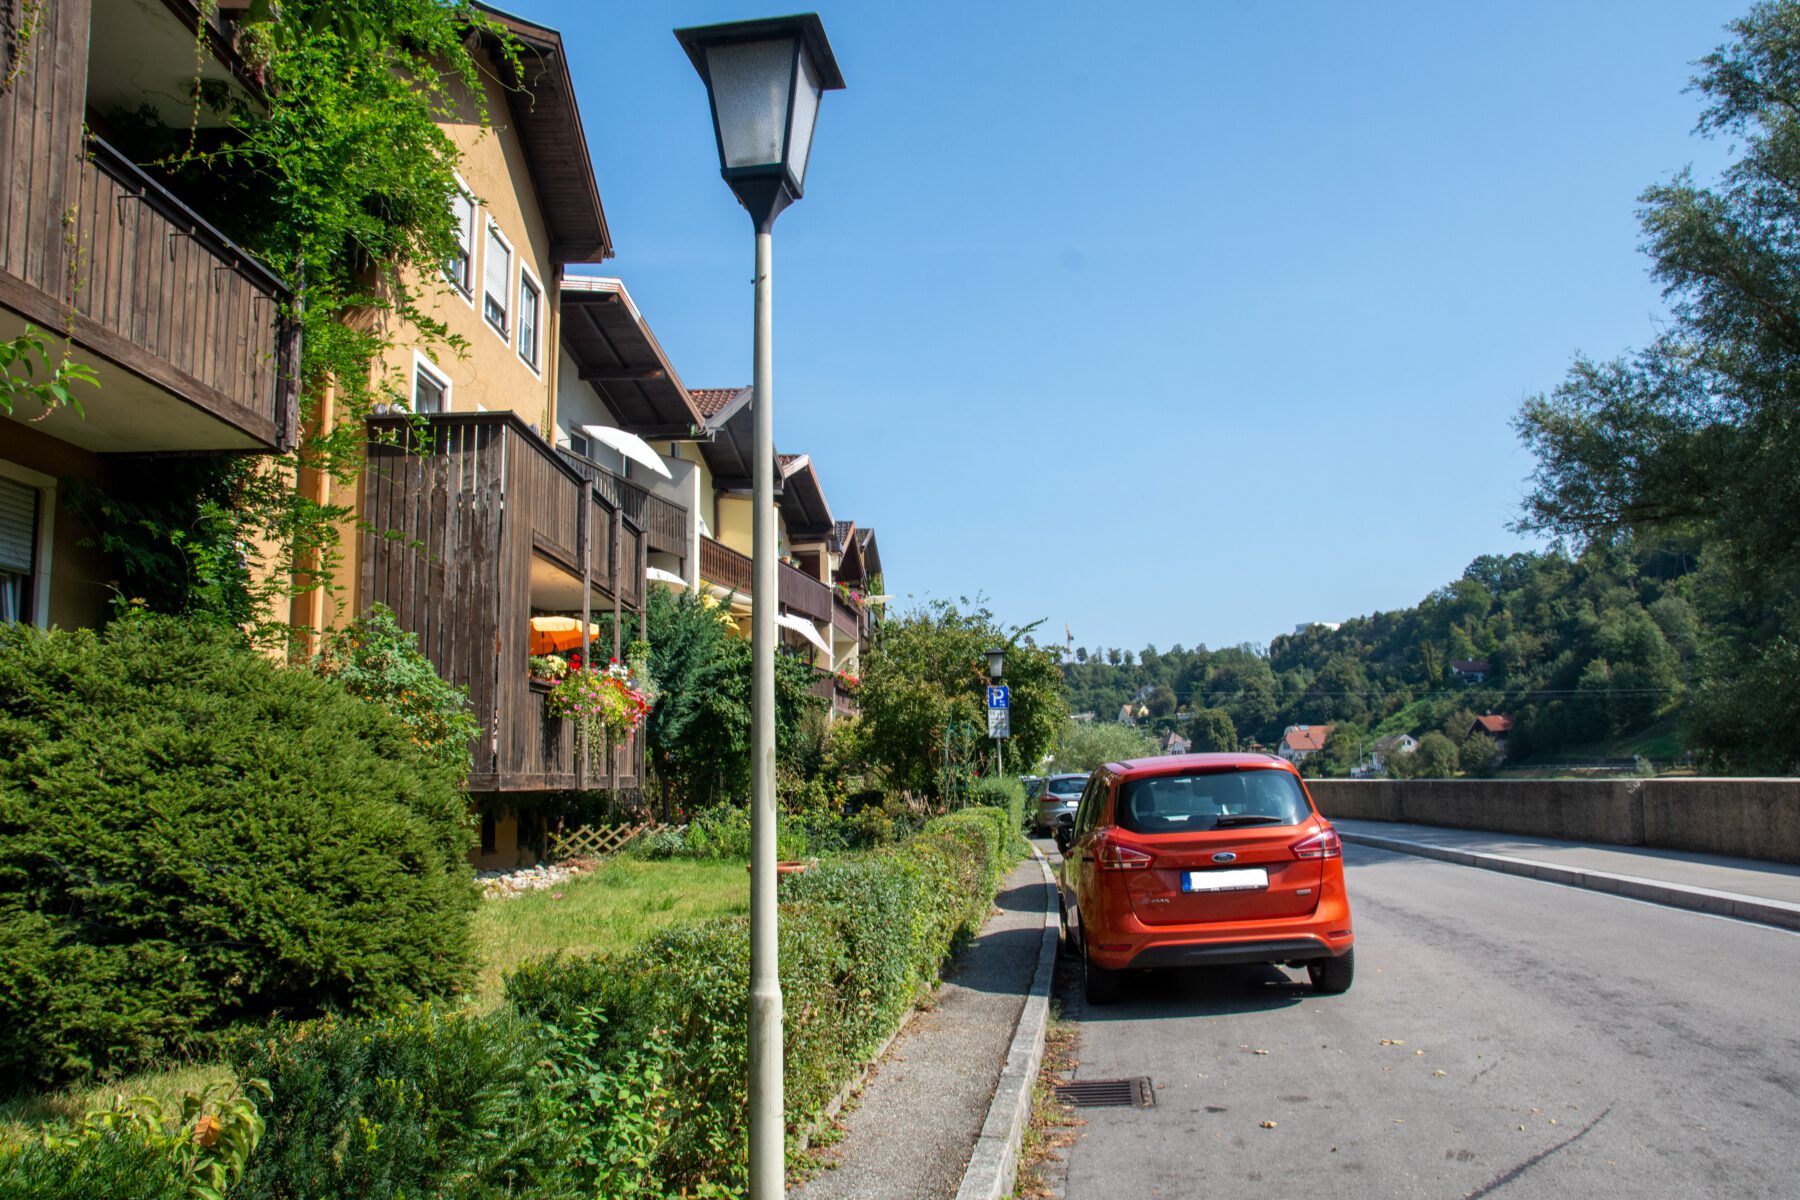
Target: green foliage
x,y
662,1031
191,835
375,659
340,181
1478,755
1005,793
1084,745
926,673
116,1165
418,1102
699,731
20,358
1694,438
1436,758
1210,731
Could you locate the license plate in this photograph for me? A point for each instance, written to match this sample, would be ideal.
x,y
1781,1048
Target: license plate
x,y
1245,879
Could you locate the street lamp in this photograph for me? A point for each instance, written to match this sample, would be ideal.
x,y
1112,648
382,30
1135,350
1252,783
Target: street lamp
x,y
764,79
996,663
996,656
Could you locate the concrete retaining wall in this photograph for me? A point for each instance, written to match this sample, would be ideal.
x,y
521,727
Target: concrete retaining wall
x,y
1743,818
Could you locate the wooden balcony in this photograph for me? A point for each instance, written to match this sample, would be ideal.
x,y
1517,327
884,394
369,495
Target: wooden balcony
x,y
721,565
803,595
847,619
191,336
473,523
664,522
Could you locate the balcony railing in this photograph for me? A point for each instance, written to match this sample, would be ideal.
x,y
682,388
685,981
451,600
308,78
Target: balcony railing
x,y
664,522
847,619
724,566
171,287
804,595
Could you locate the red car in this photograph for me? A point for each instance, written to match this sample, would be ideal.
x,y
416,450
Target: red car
x,y
1203,859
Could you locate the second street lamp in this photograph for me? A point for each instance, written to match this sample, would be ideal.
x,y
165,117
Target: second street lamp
x,y
764,79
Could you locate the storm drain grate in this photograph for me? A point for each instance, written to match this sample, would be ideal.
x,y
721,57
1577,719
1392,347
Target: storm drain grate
x,y
1108,1093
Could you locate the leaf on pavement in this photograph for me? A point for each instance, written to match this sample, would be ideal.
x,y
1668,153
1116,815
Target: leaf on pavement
x,y
1268,1124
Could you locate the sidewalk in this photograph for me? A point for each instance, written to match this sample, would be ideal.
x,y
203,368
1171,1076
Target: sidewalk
x,y
1750,890
925,1104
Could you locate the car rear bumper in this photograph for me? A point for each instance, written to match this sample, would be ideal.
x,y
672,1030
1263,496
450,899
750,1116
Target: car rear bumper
x,y
1216,954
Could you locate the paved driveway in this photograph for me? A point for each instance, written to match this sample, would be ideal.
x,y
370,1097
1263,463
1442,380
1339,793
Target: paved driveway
x,y
1504,1036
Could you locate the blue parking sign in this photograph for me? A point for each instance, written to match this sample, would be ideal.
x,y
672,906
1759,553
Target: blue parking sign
x,y
1000,696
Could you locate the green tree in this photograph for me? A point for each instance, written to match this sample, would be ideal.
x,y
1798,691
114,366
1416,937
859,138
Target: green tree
x,y
1161,700
1210,729
1478,755
1697,434
1435,758
926,674
1084,745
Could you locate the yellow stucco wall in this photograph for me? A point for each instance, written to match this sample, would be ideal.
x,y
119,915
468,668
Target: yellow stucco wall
x,y
488,373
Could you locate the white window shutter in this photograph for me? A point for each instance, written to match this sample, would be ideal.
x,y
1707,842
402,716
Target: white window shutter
x,y
497,274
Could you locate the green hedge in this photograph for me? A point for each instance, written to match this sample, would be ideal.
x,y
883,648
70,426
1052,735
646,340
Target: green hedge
x,y
619,1077
191,835
1007,794
859,938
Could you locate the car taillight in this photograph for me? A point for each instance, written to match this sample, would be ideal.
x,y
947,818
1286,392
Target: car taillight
x,y
1114,857
1320,845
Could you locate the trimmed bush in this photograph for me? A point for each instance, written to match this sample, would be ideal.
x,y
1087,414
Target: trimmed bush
x,y
859,939
192,835
419,1103
1006,794
117,1167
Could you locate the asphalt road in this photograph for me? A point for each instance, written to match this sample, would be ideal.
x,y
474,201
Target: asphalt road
x,y
1504,1037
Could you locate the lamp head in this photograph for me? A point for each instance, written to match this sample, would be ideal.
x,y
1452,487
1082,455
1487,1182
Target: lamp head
x,y
764,79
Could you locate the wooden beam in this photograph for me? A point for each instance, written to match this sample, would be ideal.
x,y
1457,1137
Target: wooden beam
x,y
620,374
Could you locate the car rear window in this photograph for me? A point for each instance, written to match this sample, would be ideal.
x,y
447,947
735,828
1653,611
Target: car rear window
x,y
1216,800
1034,788
1068,787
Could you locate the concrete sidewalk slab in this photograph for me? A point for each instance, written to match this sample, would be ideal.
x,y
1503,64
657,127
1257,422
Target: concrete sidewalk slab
x,y
927,1107
1768,893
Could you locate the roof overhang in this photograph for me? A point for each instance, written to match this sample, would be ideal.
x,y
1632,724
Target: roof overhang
x,y
728,454
803,506
871,552
617,355
540,97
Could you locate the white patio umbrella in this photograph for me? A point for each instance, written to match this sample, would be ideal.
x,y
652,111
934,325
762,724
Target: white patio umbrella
x,y
631,446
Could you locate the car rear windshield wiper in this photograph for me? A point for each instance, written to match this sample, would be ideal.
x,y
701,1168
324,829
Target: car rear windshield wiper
x,y
1248,819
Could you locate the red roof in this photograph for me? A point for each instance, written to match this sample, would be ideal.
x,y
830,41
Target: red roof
x,y
1494,725
1306,737
1469,666
712,401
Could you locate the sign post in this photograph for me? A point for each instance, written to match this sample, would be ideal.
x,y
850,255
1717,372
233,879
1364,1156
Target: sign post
x,y
999,708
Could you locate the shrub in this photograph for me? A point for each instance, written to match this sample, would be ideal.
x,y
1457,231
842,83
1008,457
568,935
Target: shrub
x,y
379,661
192,835
859,937
417,1103
1005,793
118,1166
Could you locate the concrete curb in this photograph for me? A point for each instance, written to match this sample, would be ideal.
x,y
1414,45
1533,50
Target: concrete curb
x,y
1778,913
994,1163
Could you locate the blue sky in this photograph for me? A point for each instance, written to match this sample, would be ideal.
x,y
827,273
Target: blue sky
x,y
1170,322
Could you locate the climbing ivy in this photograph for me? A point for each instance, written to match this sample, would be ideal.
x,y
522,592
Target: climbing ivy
x,y
339,179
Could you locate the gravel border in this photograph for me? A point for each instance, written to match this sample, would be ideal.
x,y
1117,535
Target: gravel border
x,y
994,1163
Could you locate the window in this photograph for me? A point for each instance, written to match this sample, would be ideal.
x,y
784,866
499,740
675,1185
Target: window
x,y
460,269
1215,800
529,300
578,444
497,276
431,391
18,549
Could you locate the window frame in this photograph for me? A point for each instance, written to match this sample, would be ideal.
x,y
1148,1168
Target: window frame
x,y
536,362
43,537
503,330
422,365
466,289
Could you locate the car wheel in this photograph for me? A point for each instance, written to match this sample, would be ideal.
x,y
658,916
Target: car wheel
x,y
1065,947
1332,976
1098,984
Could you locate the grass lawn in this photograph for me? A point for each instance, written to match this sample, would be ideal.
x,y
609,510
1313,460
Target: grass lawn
x,y
610,909
615,907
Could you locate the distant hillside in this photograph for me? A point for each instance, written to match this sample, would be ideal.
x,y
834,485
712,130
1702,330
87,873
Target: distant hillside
x,y
1579,651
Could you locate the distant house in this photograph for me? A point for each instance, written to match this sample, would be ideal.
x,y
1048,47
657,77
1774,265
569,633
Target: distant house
x,y
1301,742
1174,743
1469,670
1087,717
1390,747
1495,727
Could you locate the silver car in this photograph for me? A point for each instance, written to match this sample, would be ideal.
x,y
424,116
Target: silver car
x,y
1058,799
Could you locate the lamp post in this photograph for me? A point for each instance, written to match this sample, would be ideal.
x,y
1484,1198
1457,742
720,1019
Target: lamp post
x,y
764,79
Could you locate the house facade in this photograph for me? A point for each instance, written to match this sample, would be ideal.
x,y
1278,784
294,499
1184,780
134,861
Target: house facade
x,y
1300,742
183,329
